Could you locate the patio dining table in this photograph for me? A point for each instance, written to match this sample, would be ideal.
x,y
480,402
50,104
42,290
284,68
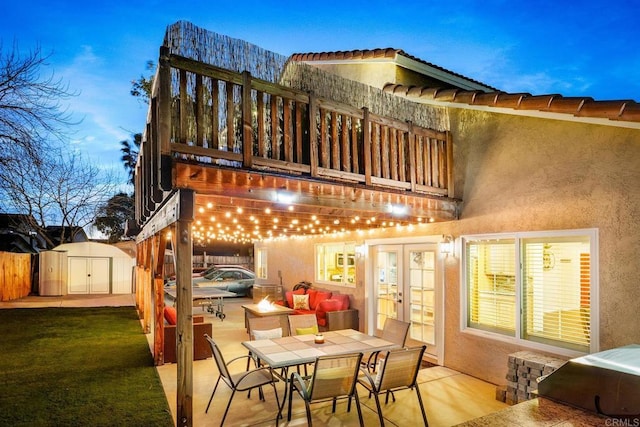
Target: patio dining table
x,y
283,353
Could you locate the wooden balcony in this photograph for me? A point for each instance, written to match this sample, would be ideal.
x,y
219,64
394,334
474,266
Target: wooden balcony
x,y
235,140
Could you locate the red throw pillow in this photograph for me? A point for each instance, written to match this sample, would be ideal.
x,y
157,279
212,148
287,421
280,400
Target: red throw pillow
x,y
343,298
312,298
171,315
289,297
323,307
319,297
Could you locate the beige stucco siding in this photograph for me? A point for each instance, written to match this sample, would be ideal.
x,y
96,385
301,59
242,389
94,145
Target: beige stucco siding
x,y
516,173
528,174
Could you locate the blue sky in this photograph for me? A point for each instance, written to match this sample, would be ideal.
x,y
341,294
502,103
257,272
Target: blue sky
x,y
587,48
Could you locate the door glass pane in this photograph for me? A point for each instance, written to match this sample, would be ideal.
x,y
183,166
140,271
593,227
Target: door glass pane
x,y
421,288
387,286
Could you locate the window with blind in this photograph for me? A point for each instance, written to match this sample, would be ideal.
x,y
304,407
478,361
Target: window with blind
x,y
491,284
547,301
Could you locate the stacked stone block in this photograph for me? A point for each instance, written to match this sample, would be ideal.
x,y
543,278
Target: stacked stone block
x,y
524,369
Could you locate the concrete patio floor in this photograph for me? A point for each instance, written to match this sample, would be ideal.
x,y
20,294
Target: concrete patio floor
x,y
449,397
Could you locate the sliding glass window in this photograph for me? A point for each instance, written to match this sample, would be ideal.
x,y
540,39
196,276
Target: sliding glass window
x,y
535,287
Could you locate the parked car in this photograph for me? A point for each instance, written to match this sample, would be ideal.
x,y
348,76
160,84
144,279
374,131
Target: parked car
x,y
201,271
238,280
215,267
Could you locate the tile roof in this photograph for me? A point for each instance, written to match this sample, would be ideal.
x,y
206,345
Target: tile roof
x,y
389,52
619,110
587,107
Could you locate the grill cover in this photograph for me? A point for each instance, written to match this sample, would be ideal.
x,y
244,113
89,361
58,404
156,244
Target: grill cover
x,y
607,383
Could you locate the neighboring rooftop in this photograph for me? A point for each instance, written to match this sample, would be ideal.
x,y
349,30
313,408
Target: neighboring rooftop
x,y
447,87
398,57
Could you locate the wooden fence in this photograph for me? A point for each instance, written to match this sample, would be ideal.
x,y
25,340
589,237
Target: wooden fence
x,y
15,275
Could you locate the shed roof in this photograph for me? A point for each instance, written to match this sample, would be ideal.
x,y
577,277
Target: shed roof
x,y
91,249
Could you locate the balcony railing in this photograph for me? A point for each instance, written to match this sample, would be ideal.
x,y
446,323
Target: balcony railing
x,y
212,116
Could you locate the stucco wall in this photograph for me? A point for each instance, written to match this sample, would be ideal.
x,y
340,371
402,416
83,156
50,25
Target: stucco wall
x,y
528,174
516,173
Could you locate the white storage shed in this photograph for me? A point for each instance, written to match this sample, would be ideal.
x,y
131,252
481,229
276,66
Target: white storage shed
x,y
92,268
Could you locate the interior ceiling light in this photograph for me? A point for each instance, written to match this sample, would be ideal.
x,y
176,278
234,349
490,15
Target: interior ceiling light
x,y
284,198
397,209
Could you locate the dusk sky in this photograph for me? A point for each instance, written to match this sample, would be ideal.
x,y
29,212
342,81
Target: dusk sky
x,y
588,48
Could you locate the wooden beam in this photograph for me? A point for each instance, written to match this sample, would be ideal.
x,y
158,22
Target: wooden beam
x,y
165,215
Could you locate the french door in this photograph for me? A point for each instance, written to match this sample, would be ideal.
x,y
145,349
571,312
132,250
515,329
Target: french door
x,y
407,288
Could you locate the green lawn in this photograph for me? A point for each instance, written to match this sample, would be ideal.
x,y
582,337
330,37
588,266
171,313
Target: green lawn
x,y
78,367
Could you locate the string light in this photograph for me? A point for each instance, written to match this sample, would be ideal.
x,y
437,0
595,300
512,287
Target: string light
x,y
264,222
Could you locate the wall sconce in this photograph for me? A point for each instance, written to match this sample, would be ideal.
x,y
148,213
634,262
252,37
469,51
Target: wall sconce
x,y
446,246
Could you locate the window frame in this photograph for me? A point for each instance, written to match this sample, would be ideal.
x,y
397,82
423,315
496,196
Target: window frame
x,y
261,263
334,256
518,339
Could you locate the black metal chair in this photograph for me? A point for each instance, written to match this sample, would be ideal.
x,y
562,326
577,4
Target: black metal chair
x,y
398,371
243,381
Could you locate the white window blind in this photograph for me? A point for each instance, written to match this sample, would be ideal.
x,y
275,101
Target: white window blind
x,y
547,301
557,297
491,284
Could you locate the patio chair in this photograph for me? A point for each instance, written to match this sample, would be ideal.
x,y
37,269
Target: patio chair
x,y
265,327
301,324
334,377
398,370
395,331
262,328
243,381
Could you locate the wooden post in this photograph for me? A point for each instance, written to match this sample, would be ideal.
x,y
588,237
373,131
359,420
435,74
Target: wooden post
x,y
184,308
366,132
449,166
148,286
412,156
247,128
164,117
313,135
160,243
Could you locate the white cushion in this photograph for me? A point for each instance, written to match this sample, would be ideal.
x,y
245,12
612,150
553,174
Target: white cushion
x,y
301,302
267,334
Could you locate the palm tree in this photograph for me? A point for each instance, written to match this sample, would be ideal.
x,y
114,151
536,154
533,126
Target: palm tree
x,y
130,155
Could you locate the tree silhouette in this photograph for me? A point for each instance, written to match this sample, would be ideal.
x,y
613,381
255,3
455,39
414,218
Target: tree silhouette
x,y
129,156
